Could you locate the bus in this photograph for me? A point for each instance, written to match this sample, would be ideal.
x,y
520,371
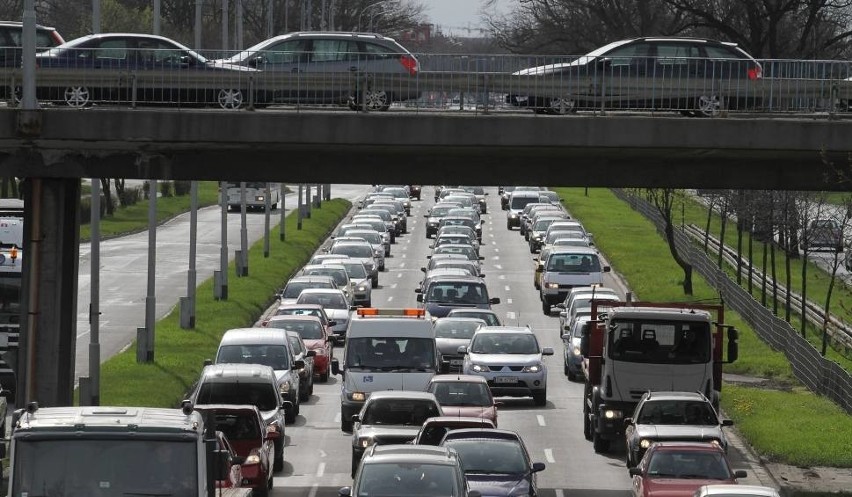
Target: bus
x,y
255,195
11,259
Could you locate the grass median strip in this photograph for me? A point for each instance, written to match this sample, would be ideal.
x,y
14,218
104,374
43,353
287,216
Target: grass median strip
x,y
179,354
775,428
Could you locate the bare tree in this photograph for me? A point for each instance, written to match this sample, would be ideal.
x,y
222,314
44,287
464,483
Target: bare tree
x,y
664,199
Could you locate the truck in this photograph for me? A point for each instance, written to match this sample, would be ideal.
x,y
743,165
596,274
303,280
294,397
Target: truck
x,y
256,193
119,451
11,263
635,347
386,349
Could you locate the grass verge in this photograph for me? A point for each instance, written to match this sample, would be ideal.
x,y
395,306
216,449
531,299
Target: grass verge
x,y
641,256
133,218
180,354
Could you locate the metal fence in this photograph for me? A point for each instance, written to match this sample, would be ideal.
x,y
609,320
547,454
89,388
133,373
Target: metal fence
x,y
817,373
439,82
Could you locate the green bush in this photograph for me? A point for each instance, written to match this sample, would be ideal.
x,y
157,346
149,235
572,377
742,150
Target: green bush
x,y
182,187
165,189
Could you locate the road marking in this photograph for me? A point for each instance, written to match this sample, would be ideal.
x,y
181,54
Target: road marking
x,y
508,288
323,453
498,266
320,471
509,315
313,491
509,301
502,276
402,264
394,285
496,249
559,492
540,419
337,418
399,275
548,454
404,256
496,257
390,298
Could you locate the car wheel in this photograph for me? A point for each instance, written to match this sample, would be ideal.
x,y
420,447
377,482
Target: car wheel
x,y
355,462
545,307
261,491
304,394
532,249
540,398
290,415
600,445
230,99
324,377
561,106
375,282
279,456
369,303
373,100
566,371
77,96
708,106
382,268
509,226
587,423
311,386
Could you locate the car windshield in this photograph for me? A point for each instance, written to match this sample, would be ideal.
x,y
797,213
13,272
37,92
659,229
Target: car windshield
x,y
81,467
327,300
300,312
262,395
504,343
677,412
461,393
239,425
467,250
519,203
486,456
490,318
456,329
390,354
659,342
440,211
408,412
294,288
308,330
690,464
275,356
361,251
356,271
409,478
563,262
452,292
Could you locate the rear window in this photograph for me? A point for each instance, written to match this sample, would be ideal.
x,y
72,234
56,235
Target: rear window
x,y
275,356
521,202
262,395
327,300
573,263
410,412
458,292
308,330
238,426
293,290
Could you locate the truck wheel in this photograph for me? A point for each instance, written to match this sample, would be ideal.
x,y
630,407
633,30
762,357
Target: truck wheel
x,y
540,398
262,491
545,308
600,445
587,423
532,248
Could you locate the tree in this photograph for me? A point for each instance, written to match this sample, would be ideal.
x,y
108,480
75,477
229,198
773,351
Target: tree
x,y
664,199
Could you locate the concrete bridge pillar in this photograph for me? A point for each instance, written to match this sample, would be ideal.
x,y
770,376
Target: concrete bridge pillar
x,y
49,291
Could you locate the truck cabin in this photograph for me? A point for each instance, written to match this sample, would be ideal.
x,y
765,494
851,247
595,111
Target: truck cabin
x,y
662,342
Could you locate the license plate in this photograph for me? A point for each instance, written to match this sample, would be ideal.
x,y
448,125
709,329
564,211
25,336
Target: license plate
x,y
505,379
456,362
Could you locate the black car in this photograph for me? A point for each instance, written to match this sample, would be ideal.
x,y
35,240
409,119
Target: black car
x,y
414,191
496,462
695,76
141,68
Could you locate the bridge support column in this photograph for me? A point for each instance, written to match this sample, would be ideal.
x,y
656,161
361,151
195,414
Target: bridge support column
x,y
49,291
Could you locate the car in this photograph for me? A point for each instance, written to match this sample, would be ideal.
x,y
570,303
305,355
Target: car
x,y
434,215
361,280
401,208
572,354
414,191
376,225
230,473
451,291
245,431
335,304
677,469
270,348
702,66
736,491
321,52
450,334
455,238
399,217
822,234
413,470
391,222
565,268
496,462
490,317
390,417
315,336
435,429
11,38
458,229
460,262
538,227
466,396
359,249
681,416
518,199
303,310
241,384
296,284
139,53
507,191
401,194
306,373
387,225
510,358
438,273
459,248
579,304
480,197
471,223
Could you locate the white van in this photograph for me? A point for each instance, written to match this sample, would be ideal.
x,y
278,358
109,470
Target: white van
x,y
255,195
386,349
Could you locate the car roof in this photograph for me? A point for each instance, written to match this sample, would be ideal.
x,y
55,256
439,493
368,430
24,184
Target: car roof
x,y
227,373
402,394
505,329
334,291
669,395
459,421
256,336
431,454
691,446
736,491
462,277
571,249
226,407
482,433
310,278
295,317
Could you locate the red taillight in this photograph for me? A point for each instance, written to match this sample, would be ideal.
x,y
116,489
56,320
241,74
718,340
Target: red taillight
x,y
409,63
755,73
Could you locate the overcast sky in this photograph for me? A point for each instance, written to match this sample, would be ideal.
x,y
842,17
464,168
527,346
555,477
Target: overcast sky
x,y
457,14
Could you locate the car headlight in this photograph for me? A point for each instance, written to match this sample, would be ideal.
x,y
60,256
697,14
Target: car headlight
x,y
361,288
551,285
613,414
320,351
537,238
644,443
365,442
358,396
576,351
513,216
534,368
252,459
259,198
479,368
284,387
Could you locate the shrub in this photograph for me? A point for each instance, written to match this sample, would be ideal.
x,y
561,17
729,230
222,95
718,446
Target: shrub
x,y
130,196
165,189
182,187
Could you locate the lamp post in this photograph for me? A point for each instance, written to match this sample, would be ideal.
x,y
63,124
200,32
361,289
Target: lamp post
x,y
156,17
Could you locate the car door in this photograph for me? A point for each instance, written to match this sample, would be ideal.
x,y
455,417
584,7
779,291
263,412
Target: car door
x,y
286,56
341,59
625,75
679,69
165,61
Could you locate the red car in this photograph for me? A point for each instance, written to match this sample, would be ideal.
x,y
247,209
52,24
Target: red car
x,y
248,435
674,469
304,310
315,336
231,474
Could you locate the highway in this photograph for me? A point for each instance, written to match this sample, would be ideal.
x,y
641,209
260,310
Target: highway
x,y
318,454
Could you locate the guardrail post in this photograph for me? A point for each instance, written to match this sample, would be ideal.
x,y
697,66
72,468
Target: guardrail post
x,y
486,93
133,90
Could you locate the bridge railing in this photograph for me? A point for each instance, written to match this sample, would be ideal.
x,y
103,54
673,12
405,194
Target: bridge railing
x,y
442,82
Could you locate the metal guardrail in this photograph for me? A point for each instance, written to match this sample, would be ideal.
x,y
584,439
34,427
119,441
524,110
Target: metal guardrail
x,y
817,373
838,330
453,82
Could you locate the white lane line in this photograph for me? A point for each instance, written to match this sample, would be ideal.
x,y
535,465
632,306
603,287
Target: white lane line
x,y
313,490
401,264
509,301
320,471
502,276
540,419
559,492
508,288
496,257
548,454
399,275
509,315
394,285
390,298
404,256
323,453
498,266
337,418
496,249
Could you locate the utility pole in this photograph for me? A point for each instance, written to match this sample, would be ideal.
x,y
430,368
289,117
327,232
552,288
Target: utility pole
x,y
151,298
239,22
225,46
198,6
156,17
96,16
270,24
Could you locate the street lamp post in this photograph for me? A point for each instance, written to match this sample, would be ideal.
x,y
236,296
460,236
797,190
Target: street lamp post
x,y
156,17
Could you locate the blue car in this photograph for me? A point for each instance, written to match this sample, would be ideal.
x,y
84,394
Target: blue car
x,y
138,68
496,462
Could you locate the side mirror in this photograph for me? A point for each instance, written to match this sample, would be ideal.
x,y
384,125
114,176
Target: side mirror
x,y
537,466
431,245
547,351
562,314
418,290
272,435
560,305
634,472
286,405
740,473
356,418
733,344
208,362
494,300
423,269
332,323
628,421
606,269
311,353
481,258
344,491
482,275
420,297
566,336
462,349
298,364
727,422
335,367
539,269
353,307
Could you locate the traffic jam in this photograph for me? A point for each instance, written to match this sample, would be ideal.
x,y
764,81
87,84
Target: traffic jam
x,y
434,391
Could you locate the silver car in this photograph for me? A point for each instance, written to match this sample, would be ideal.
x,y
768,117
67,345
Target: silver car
x,y
362,282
